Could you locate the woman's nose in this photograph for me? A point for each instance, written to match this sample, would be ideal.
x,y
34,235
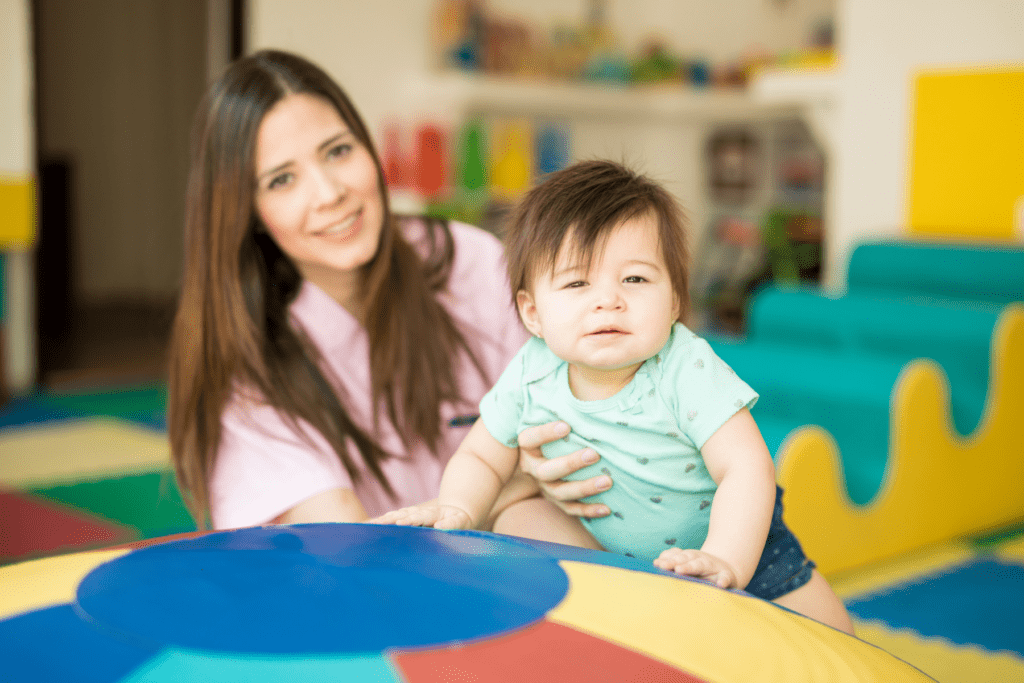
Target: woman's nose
x,y
329,188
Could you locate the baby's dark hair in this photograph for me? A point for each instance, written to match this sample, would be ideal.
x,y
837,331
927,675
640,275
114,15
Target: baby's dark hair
x,y
586,201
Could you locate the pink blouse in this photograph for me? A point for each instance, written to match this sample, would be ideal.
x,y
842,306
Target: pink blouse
x,y
264,468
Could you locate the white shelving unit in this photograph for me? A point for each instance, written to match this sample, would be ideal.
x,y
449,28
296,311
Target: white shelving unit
x,y
661,130
812,94
658,103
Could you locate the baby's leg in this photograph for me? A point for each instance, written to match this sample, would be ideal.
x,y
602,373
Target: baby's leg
x,y
542,520
816,600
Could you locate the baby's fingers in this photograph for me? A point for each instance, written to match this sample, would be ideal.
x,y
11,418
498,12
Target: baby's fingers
x,y
451,523
697,564
412,516
388,517
679,561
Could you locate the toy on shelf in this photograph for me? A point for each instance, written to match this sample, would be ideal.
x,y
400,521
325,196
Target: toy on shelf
x,y
474,172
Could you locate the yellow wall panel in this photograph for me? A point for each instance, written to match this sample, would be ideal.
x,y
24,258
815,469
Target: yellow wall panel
x,y
17,213
967,155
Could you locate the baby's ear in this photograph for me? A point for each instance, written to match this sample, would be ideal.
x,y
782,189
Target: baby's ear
x,y
528,312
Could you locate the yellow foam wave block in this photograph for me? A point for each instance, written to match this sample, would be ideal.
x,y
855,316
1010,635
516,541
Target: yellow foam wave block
x,y
941,659
973,117
48,582
714,634
938,485
17,212
79,450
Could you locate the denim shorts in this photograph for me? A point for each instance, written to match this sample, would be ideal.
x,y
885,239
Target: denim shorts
x,y
783,567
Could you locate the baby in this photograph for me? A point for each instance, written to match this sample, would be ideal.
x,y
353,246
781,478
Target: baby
x,y
597,262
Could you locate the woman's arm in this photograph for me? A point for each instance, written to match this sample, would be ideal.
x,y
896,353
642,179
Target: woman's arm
x,y
739,462
335,505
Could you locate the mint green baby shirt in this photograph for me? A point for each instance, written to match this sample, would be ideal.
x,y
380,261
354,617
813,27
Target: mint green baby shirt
x,y
649,436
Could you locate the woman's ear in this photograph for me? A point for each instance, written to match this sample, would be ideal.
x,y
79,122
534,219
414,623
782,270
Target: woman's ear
x,y
528,312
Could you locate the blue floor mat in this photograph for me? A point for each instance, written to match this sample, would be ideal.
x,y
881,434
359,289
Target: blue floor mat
x,y
977,603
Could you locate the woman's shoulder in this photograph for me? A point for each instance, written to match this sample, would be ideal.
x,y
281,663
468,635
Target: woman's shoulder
x,y
428,235
474,236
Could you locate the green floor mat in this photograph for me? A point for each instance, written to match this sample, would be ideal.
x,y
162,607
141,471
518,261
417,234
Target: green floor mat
x,y
146,404
149,503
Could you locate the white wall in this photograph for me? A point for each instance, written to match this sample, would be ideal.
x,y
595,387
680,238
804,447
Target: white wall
x,y
883,44
17,149
16,128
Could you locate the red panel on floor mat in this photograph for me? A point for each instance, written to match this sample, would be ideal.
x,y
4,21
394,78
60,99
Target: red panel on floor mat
x,y
543,653
30,527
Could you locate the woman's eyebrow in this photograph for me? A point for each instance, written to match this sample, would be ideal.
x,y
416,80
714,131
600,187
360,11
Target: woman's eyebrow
x,y
272,171
334,138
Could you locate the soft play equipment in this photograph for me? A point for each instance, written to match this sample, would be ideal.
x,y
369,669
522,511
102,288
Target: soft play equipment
x,y
833,362
852,366
939,272
955,334
370,603
938,485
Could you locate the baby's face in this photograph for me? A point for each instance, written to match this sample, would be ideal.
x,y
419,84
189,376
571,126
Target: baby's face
x,y
613,315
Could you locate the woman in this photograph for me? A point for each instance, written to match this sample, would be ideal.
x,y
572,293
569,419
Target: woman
x,y
327,356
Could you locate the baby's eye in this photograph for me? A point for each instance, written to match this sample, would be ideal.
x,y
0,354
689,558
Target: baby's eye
x,y
279,180
575,283
339,150
635,278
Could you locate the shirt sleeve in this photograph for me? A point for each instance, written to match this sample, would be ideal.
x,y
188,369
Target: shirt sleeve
x,y
501,408
706,391
264,467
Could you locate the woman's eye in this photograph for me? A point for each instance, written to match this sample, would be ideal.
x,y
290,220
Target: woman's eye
x,y
339,150
279,180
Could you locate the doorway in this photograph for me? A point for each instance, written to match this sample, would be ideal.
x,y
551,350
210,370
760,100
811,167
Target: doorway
x,y
117,84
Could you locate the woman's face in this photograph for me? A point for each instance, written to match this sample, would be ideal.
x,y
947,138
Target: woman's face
x,y
318,194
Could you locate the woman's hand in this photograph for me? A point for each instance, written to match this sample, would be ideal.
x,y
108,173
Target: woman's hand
x,y
549,473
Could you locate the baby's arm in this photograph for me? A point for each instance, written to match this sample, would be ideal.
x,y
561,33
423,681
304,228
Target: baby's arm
x,y
474,476
739,462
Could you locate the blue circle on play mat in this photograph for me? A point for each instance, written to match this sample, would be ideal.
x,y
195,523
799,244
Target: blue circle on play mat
x,y
323,588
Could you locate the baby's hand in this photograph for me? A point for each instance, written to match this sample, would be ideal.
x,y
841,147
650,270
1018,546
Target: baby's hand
x,y
428,514
700,564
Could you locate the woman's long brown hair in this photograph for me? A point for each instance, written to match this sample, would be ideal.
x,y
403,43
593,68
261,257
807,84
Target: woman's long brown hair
x,y
232,328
